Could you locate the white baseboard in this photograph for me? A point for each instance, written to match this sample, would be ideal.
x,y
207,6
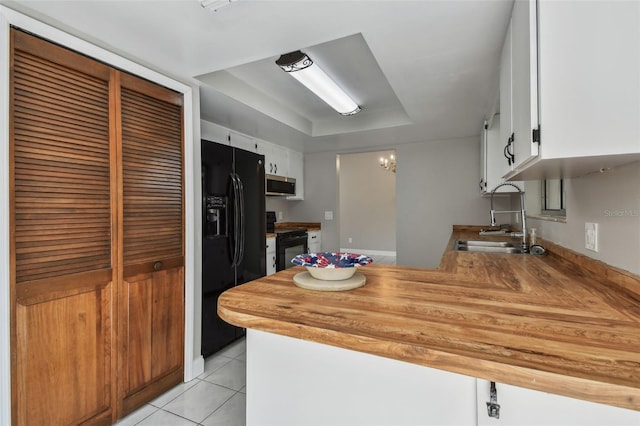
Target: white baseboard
x,y
368,252
197,368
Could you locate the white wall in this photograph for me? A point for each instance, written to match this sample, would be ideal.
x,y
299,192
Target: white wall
x,y
610,199
320,195
367,197
437,187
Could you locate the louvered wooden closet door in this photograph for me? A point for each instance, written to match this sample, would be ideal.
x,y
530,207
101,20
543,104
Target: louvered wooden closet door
x,y
61,239
152,293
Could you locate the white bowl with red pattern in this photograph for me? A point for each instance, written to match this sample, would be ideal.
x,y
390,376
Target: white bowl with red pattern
x,y
330,266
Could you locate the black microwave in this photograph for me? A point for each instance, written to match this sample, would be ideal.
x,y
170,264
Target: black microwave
x,y
280,185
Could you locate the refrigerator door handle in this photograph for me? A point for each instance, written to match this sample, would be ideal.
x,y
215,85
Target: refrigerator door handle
x,y
236,221
241,215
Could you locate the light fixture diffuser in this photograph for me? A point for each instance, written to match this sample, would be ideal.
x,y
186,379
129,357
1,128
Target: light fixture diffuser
x,y
302,68
214,5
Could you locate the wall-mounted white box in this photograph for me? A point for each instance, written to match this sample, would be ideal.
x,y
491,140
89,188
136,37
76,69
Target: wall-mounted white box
x,y
591,236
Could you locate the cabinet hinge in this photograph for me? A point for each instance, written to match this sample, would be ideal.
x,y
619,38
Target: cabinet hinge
x,y
535,135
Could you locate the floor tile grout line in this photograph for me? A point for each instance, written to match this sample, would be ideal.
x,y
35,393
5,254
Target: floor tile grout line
x,y
221,405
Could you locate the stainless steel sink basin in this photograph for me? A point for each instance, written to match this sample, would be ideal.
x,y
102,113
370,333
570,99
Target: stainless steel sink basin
x,y
486,246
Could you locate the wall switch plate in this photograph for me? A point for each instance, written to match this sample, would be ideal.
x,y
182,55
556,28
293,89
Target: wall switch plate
x,y
328,215
279,215
591,236
350,240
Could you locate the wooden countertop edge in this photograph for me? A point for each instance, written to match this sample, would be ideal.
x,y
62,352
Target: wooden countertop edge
x,y
311,226
574,387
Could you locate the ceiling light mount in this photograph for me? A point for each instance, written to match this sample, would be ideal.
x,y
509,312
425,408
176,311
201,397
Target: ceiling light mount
x,y
303,69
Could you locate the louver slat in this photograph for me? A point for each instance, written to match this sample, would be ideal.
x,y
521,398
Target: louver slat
x,y
152,178
61,157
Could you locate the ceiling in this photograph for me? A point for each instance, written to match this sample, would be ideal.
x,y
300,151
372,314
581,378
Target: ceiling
x,y
420,69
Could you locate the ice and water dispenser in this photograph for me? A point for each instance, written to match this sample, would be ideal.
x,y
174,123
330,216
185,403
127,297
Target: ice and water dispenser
x,y
216,216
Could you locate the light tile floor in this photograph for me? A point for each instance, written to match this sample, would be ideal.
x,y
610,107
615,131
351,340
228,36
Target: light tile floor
x,y
217,397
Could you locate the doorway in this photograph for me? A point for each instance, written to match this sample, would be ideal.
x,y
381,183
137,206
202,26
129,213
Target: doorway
x,y
367,205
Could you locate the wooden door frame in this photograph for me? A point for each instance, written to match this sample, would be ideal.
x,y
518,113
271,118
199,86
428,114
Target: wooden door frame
x,y
193,361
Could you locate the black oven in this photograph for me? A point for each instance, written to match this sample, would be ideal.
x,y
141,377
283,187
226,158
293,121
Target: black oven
x,y
289,244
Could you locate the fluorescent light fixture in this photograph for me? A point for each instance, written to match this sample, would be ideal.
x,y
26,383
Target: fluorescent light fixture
x,y
302,68
215,4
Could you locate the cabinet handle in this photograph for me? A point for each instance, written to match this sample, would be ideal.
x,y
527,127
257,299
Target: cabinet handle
x,y
157,266
482,185
510,148
506,154
493,408
275,168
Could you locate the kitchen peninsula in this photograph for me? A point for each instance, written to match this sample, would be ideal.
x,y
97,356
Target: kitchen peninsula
x,y
411,338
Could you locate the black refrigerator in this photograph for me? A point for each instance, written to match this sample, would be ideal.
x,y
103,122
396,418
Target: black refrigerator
x,y
234,232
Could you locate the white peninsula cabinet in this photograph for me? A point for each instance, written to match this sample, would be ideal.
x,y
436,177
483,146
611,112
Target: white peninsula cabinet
x,y
526,407
299,382
588,86
314,241
293,382
271,255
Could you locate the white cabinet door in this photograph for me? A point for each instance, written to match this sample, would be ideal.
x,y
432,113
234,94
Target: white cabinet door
x,y
314,241
293,382
296,170
590,78
506,124
483,158
588,87
524,83
495,164
242,142
276,158
526,407
271,255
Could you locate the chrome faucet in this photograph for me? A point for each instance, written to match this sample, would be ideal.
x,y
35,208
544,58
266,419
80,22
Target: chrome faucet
x,y
523,234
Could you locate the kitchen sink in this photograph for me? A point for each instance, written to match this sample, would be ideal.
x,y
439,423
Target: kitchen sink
x,y
486,246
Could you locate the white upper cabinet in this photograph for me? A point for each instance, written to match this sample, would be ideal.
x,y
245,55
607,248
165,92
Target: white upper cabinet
x,y
524,82
276,158
243,142
493,161
519,87
296,170
588,87
506,102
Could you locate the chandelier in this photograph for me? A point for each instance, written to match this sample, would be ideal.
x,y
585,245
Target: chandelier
x,y
389,164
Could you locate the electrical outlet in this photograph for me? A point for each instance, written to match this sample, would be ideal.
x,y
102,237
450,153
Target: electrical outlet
x,y
280,215
350,240
328,215
591,236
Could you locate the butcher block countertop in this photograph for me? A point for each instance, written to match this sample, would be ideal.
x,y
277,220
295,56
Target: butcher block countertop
x,y
560,323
